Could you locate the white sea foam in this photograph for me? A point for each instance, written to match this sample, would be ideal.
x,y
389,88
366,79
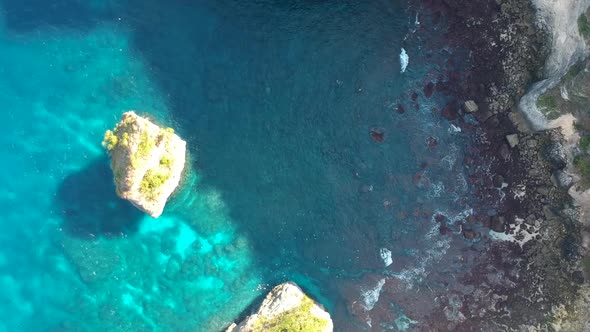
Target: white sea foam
x,y
520,234
371,296
404,322
436,190
404,59
438,248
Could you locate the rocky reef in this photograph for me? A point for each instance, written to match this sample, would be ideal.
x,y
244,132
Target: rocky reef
x,y
147,162
286,308
529,272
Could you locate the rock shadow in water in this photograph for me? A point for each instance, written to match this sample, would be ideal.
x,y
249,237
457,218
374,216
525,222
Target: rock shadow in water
x,y
90,207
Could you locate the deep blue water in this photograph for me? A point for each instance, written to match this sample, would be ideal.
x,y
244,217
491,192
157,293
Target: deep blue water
x,y
276,101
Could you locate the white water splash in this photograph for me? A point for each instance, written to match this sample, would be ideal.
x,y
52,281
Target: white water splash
x,y
520,234
371,296
404,322
404,59
438,248
436,190
454,129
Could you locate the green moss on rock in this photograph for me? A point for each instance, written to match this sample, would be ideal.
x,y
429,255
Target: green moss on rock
x,y
584,143
583,26
145,146
586,264
151,183
166,161
110,140
547,102
573,71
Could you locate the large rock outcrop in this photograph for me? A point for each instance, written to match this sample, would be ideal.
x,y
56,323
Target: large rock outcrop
x,y
147,162
286,308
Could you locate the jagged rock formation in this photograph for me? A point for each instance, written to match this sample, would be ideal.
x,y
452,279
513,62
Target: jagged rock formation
x,y
147,162
286,308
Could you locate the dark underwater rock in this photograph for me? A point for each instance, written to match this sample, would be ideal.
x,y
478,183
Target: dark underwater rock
x,y
377,134
498,224
450,112
469,234
428,89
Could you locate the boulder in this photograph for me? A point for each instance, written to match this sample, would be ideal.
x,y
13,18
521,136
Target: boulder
x,y
482,116
147,162
556,155
512,140
470,106
562,179
286,308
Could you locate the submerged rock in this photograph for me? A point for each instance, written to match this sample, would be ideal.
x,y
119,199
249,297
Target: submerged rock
x,y
147,162
377,134
286,308
429,89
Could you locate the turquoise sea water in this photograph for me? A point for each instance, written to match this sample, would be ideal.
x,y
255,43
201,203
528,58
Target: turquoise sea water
x,y
276,101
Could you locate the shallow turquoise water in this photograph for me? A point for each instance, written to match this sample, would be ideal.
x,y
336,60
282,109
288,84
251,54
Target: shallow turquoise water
x,y
284,182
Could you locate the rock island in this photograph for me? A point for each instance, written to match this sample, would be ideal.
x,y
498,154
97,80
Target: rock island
x,y
147,161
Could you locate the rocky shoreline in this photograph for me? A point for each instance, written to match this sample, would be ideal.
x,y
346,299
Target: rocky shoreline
x,y
531,267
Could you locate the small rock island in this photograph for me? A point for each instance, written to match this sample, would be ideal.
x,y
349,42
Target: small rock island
x,y
286,308
147,161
